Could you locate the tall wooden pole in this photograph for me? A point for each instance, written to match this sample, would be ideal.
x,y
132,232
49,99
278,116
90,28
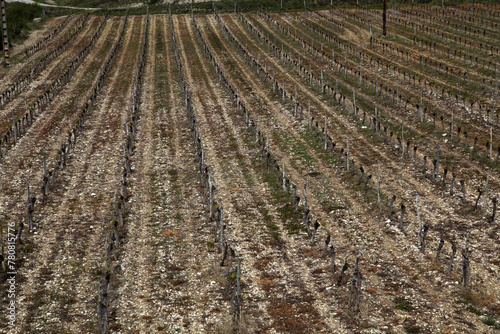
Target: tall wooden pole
x,y
384,19
5,35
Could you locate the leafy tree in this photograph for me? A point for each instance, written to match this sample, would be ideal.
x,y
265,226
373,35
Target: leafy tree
x,y
19,18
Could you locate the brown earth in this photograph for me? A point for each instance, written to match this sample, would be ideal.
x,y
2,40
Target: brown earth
x,y
167,274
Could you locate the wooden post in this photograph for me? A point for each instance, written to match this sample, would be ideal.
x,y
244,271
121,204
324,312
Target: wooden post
x,y
437,163
384,19
451,126
210,196
424,234
115,231
295,104
390,205
440,247
221,231
305,196
467,235
358,292
465,270
403,210
322,85
296,198
31,204
378,183
347,155
452,258
5,34
419,221
14,127
402,141
491,142
492,218
360,59
354,277
238,289
485,205
310,119
462,185
421,106
326,142
283,172
354,101
306,222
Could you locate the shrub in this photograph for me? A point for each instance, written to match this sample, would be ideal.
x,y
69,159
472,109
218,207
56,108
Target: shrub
x,y
403,304
20,16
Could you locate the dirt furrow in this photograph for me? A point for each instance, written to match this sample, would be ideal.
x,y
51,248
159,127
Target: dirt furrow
x,y
474,121
141,264
445,108
294,284
203,103
53,70
464,169
338,239
361,147
31,47
162,232
71,275
25,160
137,293
9,74
336,185
362,143
201,108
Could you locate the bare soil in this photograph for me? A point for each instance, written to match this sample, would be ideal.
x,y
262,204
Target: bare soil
x,y
167,272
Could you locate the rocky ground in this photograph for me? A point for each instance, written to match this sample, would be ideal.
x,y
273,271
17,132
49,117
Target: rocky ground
x,y
169,271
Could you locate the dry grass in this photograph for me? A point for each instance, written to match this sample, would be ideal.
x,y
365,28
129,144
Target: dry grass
x,y
321,270
292,317
480,298
266,284
310,252
170,233
262,263
216,273
229,325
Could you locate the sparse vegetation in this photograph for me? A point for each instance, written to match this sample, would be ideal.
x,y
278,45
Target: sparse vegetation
x,y
20,20
403,304
252,168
